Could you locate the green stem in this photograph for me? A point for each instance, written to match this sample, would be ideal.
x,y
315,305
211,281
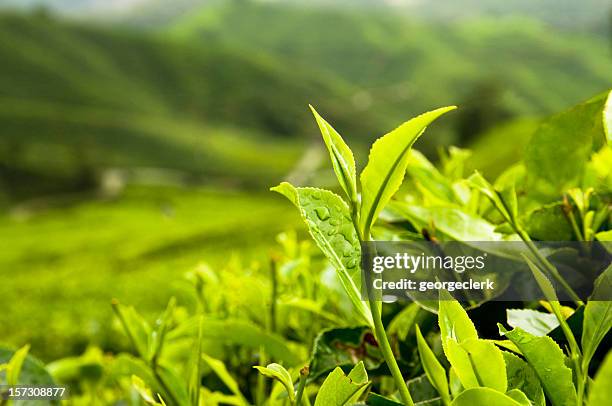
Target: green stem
x,y
260,390
381,337
301,385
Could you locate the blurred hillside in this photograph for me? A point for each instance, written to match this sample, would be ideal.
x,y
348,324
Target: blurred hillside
x,y
196,87
76,99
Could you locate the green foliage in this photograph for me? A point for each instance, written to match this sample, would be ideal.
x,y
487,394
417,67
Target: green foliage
x,y
597,317
329,222
483,397
522,376
434,370
339,389
341,157
559,150
600,390
548,361
279,373
387,164
532,321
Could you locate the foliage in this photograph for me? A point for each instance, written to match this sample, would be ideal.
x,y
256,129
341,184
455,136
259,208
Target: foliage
x,y
306,327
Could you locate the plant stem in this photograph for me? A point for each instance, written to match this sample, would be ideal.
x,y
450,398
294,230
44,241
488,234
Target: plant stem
x,y
301,385
274,293
381,336
260,390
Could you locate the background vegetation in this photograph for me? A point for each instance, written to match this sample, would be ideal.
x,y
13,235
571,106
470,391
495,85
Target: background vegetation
x,y
138,142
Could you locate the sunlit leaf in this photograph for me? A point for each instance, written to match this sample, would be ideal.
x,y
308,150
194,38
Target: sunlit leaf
x,y
434,370
341,157
329,222
339,389
548,361
386,166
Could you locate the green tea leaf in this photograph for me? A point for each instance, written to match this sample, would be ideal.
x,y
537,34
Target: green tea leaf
x,y
174,384
487,362
461,364
329,222
136,328
401,325
387,164
600,391
13,369
430,181
483,397
523,377
434,370
532,321
560,148
278,372
478,363
454,321
421,390
597,316
451,221
339,389
341,157
519,396
144,391
343,347
478,182
548,362
219,369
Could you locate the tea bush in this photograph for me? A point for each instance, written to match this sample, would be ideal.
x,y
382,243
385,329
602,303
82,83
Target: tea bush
x,y
300,332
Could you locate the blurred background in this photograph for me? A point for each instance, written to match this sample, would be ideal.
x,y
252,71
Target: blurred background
x,y
140,137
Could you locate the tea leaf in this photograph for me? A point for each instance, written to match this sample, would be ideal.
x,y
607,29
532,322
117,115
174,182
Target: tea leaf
x,y
548,362
597,316
483,397
144,391
478,363
560,148
600,391
219,369
434,370
532,321
13,369
451,221
341,157
343,347
174,384
278,372
137,329
339,389
461,364
454,321
478,182
523,377
387,164
487,362
519,396
422,391
329,222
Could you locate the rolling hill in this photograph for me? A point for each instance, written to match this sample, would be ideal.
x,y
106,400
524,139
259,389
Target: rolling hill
x,y
77,98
